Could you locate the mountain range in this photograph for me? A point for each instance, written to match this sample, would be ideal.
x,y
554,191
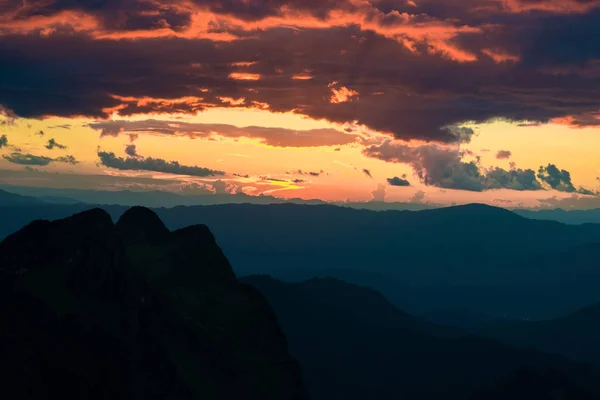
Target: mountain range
x,y
133,310
574,335
353,344
483,259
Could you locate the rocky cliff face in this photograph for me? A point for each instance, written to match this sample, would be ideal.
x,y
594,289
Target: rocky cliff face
x,y
94,310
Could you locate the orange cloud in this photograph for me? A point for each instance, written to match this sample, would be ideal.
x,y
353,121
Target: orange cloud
x,y
499,56
142,105
232,101
243,63
243,76
402,27
341,94
302,77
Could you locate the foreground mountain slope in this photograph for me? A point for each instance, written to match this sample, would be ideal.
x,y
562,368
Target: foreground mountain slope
x,y
85,315
352,344
575,335
527,384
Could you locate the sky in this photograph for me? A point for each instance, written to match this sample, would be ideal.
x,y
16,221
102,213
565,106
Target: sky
x,y
430,101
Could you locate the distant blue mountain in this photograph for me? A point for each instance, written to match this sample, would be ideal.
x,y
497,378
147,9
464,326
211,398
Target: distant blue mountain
x,y
12,199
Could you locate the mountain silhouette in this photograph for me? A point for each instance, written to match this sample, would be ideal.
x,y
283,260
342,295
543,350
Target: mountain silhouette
x,y
485,260
467,257
12,199
94,310
570,216
353,344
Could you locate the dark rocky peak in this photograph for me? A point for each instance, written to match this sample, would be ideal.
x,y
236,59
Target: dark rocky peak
x,y
42,243
141,225
91,314
197,256
199,233
188,257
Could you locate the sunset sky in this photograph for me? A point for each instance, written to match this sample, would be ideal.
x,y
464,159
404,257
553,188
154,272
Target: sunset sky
x,y
439,101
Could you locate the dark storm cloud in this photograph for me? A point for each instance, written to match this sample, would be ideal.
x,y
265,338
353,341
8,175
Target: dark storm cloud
x,y
443,167
32,159
563,40
109,159
27,159
515,179
52,144
503,155
254,10
434,165
525,68
396,181
125,15
556,178
148,15
560,179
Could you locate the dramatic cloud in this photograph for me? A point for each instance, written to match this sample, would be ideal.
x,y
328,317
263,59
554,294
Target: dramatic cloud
x,y
557,179
396,181
31,159
560,179
341,94
415,72
3,141
279,137
418,70
442,166
503,155
434,165
27,159
109,159
515,179
54,144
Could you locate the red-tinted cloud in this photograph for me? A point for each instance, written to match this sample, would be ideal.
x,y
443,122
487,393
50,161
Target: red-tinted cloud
x,y
279,137
416,71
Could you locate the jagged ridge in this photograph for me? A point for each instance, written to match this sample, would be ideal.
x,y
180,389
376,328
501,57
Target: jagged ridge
x,y
133,311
